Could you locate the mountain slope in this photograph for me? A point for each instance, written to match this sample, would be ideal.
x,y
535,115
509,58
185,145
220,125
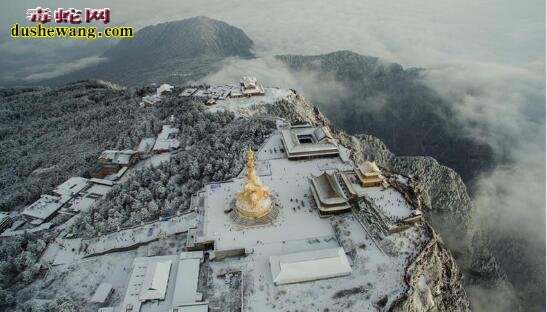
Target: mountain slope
x,y
173,52
55,133
189,38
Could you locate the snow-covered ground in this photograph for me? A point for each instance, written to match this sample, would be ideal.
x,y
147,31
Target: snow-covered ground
x,y
80,279
139,235
63,250
299,228
374,275
390,201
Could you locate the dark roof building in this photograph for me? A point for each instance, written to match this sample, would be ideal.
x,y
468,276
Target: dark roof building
x,y
307,141
328,194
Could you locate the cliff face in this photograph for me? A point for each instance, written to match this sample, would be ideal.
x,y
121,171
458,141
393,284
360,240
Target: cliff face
x,y
435,282
434,279
448,209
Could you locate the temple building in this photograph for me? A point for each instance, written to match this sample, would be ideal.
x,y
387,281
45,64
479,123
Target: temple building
x,y
369,174
167,140
164,88
254,201
306,141
44,208
112,161
150,100
328,194
250,87
118,158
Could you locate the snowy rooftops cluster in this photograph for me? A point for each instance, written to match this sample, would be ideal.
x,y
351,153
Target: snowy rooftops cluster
x,y
250,87
247,87
164,282
71,197
114,157
155,99
74,195
166,140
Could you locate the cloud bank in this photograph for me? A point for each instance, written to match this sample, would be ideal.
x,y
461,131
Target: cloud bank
x,y
53,70
505,107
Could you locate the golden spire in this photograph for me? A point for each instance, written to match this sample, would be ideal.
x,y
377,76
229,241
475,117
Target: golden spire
x,y
251,168
254,200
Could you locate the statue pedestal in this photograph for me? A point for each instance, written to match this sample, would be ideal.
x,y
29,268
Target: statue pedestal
x,y
249,218
246,209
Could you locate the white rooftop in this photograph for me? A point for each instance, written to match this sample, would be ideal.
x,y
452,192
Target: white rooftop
x,y
248,82
155,280
309,266
328,189
169,281
105,182
152,99
44,207
117,157
71,187
164,88
187,278
167,139
146,145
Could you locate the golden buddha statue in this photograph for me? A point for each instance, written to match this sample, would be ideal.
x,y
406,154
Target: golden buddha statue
x,y
254,201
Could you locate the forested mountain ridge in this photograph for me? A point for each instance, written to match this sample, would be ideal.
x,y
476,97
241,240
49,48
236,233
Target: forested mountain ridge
x,y
51,134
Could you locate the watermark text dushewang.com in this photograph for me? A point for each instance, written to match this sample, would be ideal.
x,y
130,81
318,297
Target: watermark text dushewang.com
x,y
42,16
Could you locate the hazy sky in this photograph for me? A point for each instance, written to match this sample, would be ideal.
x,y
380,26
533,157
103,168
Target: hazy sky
x,y
413,33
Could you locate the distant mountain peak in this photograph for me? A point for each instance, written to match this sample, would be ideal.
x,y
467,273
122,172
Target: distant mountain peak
x,y
188,38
